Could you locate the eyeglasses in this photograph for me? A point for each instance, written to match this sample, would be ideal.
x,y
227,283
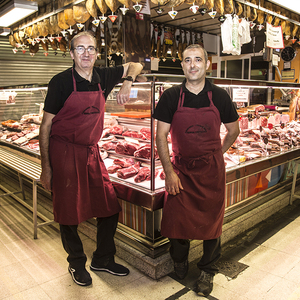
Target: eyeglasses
x,y
81,49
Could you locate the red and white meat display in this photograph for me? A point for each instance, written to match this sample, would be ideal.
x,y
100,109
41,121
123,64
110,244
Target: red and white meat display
x,y
145,152
126,148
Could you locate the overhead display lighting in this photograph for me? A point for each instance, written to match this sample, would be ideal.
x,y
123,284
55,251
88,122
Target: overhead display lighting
x,y
4,31
288,4
15,11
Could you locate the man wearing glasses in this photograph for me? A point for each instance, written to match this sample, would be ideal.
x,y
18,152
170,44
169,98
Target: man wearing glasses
x,y
72,168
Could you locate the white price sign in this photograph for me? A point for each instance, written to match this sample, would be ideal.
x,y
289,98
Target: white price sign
x,y
274,37
240,95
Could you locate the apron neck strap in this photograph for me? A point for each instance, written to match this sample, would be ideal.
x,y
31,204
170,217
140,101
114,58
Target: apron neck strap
x,y
181,98
209,94
74,81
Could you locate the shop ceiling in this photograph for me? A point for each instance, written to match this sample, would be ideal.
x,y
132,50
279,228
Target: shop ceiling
x,y
185,18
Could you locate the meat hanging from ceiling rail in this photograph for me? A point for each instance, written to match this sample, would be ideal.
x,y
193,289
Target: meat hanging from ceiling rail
x,y
251,11
228,6
69,18
209,4
80,13
238,8
102,6
219,6
91,8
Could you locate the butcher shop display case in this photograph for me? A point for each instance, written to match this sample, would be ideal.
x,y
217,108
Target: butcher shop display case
x,y
260,159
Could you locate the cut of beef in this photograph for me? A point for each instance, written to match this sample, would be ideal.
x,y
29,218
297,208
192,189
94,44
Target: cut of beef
x,y
108,146
142,174
113,169
133,134
125,173
155,175
124,163
145,152
127,148
117,129
146,132
162,175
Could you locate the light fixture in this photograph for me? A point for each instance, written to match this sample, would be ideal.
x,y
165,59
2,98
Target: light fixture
x,y
4,31
289,4
16,10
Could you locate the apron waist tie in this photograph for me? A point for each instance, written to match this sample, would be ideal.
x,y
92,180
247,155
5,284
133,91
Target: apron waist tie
x,y
92,150
191,162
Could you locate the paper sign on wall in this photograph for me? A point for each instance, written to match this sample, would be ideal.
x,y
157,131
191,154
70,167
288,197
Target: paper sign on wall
x,y
274,37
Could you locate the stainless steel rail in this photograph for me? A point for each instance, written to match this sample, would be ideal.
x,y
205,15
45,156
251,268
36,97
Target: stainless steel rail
x,y
31,170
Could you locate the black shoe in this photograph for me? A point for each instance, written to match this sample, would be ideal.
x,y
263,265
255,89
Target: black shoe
x,y
181,269
80,276
112,268
204,284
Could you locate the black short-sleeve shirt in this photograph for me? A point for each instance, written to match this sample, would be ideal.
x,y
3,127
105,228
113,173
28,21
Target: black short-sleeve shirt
x,y
61,85
167,105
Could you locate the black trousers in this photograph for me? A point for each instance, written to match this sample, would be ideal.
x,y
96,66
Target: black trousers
x,y
179,252
106,249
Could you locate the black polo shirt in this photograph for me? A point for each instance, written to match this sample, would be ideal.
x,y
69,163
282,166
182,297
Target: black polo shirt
x,y
61,85
168,102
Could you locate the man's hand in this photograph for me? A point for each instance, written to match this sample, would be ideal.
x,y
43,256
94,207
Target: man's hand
x,y
173,184
46,178
124,92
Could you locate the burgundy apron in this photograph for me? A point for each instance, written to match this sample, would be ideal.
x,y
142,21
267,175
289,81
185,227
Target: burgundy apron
x,y
197,212
81,186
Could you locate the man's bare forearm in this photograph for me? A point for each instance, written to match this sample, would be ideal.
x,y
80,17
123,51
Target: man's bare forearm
x,y
163,152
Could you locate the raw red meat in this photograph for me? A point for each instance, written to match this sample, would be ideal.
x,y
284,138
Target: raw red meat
x,y
142,174
113,169
108,146
264,121
145,152
155,175
243,121
124,147
124,163
116,129
133,134
146,132
106,132
125,173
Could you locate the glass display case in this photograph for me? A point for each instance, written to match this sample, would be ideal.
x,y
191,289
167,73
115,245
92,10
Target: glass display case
x,y
261,158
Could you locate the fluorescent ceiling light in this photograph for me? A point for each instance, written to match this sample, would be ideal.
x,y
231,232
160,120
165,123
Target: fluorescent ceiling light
x,y
16,10
4,31
288,4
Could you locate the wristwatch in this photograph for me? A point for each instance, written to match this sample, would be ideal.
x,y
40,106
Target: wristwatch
x,y
129,78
